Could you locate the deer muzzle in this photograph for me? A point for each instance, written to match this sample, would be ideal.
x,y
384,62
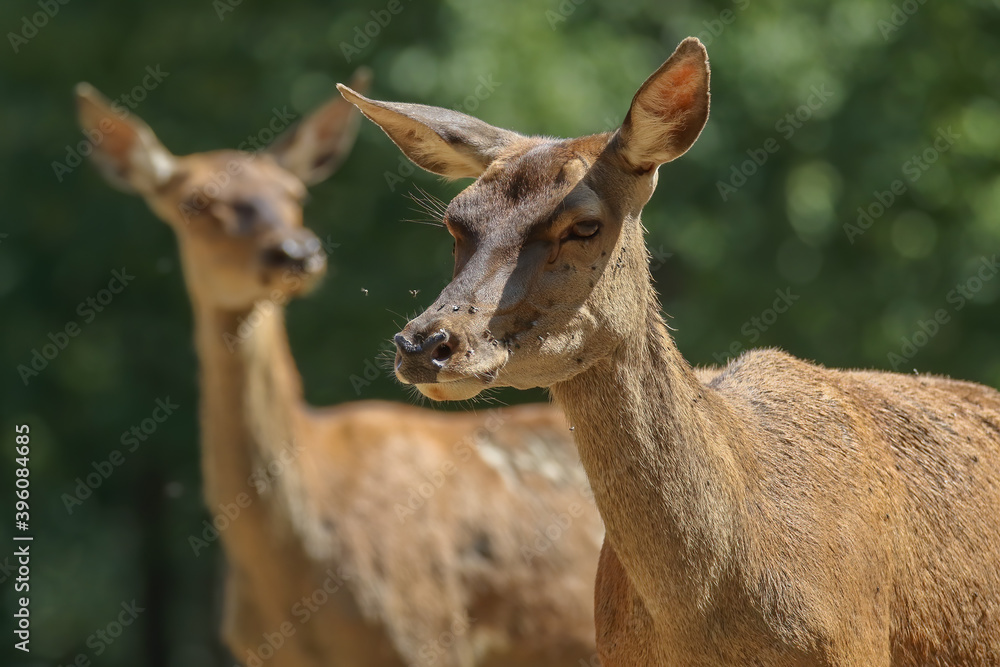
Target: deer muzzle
x,y
444,348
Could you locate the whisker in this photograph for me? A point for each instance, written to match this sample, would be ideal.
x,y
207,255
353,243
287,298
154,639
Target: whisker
x,y
429,204
416,398
393,312
431,199
423,222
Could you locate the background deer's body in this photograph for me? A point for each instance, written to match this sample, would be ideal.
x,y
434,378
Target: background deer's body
x,y
337,517
368,533
777,514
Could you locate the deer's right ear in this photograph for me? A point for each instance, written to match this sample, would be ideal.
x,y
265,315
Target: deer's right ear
x,y
442,141
669,110
125,150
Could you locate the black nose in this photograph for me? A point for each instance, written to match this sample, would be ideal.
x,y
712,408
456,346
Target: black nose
x,y
303,254
438,347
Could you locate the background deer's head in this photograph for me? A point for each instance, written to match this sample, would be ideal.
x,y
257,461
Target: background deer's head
x,y
237,214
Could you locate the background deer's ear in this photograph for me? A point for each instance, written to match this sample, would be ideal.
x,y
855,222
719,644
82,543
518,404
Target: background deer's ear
x,y
316,146
669,111
125,150
442,141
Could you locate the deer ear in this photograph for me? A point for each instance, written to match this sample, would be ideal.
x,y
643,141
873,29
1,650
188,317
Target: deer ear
x,y
125,150
669,111
442,141
315,147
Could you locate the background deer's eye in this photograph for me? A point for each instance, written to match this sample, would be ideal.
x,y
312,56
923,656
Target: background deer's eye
x,y
584,229
246,216
192,207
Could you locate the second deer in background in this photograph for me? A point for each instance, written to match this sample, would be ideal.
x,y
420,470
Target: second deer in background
x,y
368,533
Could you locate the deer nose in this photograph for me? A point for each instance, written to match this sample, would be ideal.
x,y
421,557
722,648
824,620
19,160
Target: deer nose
x,y
420,356
298,253
438,347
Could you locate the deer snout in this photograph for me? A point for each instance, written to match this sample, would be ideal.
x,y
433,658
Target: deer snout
x,y
301,252
437,343
420,356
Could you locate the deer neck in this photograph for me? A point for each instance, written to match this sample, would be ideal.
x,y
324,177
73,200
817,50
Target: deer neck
x,y
655,445
253,422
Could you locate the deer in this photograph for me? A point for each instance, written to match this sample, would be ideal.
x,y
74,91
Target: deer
x,y
771,512
368,533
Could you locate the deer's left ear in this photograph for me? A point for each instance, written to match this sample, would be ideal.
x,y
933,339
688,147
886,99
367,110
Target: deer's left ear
x,y
669,111
124,149
317,145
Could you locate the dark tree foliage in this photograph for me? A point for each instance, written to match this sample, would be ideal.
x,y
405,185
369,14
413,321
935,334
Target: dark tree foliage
x,y
843,204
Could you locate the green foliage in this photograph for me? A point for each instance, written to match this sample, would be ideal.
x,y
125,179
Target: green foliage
x,y
882,85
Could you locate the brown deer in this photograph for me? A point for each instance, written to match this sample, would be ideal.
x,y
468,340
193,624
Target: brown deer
x,y
774,513
368,533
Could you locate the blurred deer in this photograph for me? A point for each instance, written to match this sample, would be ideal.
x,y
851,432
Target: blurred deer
x,y
779,513
368,533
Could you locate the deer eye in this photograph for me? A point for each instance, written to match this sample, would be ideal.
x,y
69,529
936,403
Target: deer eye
x,y
193,207
584,229
246,216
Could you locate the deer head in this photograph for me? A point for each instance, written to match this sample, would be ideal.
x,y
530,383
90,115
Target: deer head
x,y
237,214
551,271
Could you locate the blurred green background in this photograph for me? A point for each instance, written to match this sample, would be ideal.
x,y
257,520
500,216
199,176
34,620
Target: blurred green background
x,y
883,80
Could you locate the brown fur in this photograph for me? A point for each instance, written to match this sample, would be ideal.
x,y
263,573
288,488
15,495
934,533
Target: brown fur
x,y
325,550
774,512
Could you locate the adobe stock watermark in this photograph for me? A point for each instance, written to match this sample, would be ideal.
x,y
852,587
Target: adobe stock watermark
x,y
265,308
786,127
559,525
302,611
462,451
434,650
30,25
102,638
658,258
122,106
957,298
912,170
59,340
7,569
757,325
370,372
223,7
715,27
898,17
253,144
486,86
261,479
364,34
562,12
130,441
